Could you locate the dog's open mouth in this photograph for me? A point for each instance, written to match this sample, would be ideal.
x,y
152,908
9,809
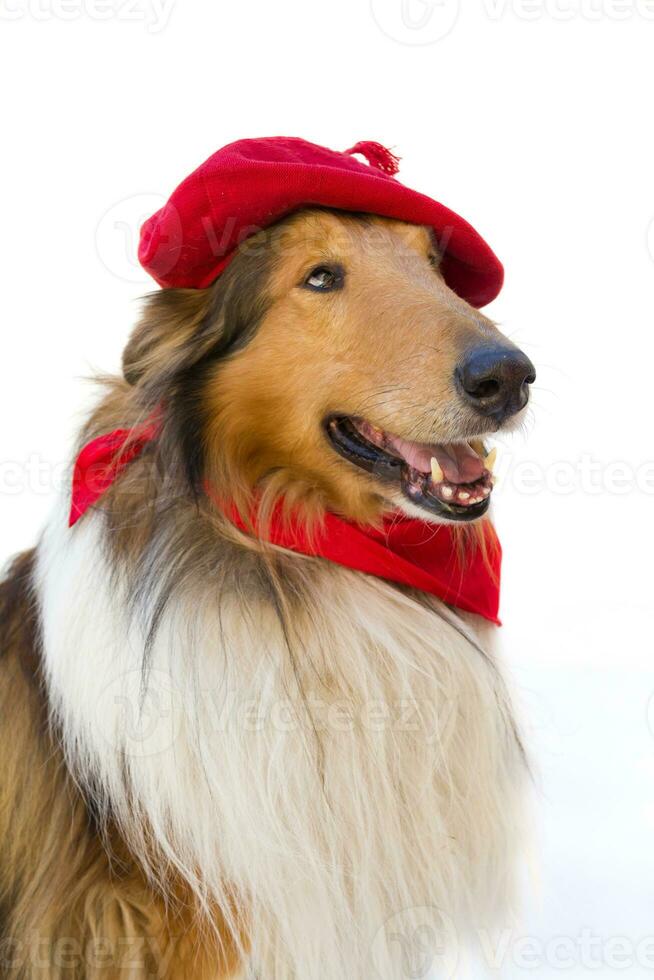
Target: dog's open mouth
x,y
452,480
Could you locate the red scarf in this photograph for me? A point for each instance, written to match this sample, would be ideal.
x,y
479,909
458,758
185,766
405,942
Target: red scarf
x,y
406,550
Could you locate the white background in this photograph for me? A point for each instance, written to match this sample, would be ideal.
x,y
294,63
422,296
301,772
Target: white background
x,y
534,120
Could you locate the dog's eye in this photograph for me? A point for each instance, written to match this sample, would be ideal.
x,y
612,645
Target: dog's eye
x,y
325,278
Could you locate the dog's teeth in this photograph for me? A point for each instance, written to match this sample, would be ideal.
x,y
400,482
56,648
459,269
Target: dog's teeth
x,y
478,447
489,462
437,474
447,491
464,495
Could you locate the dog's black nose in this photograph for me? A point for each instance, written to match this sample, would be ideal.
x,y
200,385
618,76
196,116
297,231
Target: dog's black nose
x,y
495,380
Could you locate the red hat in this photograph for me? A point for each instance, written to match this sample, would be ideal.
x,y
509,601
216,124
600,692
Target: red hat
x,y
249,185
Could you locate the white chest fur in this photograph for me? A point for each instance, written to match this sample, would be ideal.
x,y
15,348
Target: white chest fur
x,y
349,770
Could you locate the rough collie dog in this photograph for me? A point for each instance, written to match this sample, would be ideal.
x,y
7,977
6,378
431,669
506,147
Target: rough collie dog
x,y
223,758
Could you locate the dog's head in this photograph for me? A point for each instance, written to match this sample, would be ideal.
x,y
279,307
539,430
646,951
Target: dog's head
x,y
330,364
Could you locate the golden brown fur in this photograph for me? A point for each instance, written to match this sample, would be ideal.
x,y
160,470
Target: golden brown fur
x,y
73,903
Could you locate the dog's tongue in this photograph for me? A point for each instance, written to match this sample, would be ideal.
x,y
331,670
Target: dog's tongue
x,y
458,461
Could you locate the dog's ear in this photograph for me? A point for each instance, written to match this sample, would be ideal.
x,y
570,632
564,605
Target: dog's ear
x,y
175,330
180,327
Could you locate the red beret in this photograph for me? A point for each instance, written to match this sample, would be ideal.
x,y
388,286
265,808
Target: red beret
x,y
248,185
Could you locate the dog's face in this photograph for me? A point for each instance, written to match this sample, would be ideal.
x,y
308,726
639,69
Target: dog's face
x,y
364,369
364,382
